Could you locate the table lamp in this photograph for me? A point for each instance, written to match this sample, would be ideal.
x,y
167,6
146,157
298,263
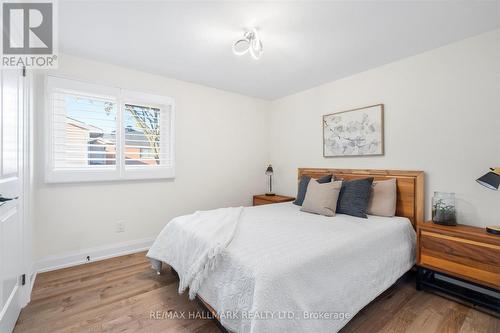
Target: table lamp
x,y
491,180
269,172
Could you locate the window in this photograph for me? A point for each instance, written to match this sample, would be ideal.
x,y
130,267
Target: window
x,y
103,133
142,135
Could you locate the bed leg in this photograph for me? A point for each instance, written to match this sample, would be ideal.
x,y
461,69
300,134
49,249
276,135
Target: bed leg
x,y
419,278
156,265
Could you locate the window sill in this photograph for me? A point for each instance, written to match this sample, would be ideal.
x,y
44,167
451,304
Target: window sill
x,y
80,176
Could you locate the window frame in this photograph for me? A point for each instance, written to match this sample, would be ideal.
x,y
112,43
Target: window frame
x,y
120,96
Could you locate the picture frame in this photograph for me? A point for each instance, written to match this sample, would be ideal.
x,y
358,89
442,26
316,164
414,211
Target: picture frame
x,y
354,133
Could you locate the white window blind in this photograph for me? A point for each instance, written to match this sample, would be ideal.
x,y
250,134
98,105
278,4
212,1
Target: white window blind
x,y
104,133
145,127
84,131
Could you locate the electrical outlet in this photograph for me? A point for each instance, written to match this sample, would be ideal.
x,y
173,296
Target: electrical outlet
x,y
120,226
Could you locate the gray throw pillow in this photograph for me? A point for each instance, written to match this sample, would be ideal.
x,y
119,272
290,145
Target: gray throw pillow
x,y
383,198
304,181
354,196
321,198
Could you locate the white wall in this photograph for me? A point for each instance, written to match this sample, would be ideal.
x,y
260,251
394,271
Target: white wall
x,y
221,156
442,115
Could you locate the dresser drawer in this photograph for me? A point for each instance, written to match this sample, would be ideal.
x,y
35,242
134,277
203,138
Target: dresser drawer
x,y
262,199
478,261
258,202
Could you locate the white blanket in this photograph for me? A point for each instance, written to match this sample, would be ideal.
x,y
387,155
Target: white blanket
x,y
192,244
291,271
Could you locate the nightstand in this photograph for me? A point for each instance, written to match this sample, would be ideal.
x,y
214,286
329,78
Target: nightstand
x,y
263,199
465,253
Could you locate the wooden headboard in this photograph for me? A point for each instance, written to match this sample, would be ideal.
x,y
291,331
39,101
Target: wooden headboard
x,y
410,187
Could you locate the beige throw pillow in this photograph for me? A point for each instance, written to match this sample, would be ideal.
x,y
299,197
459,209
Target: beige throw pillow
x,y
383,198
321,198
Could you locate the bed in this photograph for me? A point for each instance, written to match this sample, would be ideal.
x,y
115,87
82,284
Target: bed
x,y
287,270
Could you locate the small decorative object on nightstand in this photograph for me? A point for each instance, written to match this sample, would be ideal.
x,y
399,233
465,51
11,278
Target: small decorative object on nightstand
x,y
269,172
491,180
443,208
463,253
264,199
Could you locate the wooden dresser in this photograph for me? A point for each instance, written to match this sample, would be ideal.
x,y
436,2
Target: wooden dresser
x,y
262,199
461,252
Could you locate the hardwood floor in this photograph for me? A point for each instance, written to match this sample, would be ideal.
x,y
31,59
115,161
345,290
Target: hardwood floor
x,y
123,295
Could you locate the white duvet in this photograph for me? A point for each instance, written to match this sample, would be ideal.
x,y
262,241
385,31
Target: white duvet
x,y
194,244
290,271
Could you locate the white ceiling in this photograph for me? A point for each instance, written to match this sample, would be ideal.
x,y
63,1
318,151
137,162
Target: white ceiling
x,y
305,43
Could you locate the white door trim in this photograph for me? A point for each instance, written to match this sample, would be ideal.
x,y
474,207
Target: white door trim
x,y
29,266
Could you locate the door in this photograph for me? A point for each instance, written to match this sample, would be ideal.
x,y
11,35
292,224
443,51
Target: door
x,y
11,188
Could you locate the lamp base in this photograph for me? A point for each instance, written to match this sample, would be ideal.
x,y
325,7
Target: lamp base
x,y
493,229
270,194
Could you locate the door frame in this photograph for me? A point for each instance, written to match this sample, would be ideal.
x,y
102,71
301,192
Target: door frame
x,y
27,190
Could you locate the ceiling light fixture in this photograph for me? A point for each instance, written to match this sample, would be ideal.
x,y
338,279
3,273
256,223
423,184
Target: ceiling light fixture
x,y
249,43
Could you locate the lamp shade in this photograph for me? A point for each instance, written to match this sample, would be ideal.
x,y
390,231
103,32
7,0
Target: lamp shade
x,y
269,170
490,180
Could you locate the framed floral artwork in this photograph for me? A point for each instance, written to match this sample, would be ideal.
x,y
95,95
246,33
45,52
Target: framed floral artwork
x,y
357,132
